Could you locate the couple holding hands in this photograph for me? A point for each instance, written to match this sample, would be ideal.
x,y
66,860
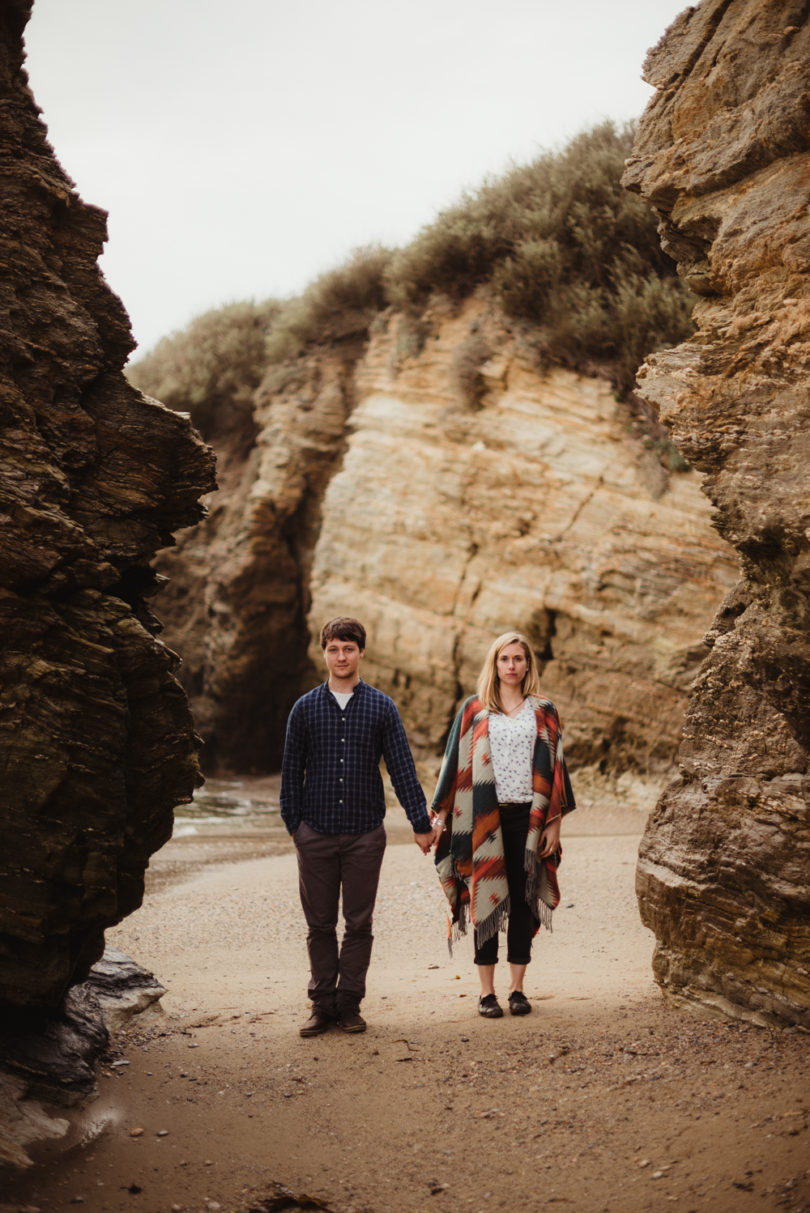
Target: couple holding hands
x,y
502,792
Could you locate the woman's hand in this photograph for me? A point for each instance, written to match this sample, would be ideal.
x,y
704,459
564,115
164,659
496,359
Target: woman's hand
x,y
438,828
550,838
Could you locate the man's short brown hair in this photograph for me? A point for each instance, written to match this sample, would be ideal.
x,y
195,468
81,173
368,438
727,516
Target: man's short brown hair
x,y
344,628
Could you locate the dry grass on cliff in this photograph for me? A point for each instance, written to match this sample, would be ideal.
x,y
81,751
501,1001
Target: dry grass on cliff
x,y
213,367
560,246
566,251
337,306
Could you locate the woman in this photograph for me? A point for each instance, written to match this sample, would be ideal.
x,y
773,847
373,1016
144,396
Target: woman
x,y
503,790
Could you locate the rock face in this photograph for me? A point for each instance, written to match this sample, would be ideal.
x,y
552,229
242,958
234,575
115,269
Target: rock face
x,y
96,739
381,485
534,509
723,154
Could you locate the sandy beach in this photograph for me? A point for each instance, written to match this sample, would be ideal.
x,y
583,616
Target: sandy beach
x,y
604,1098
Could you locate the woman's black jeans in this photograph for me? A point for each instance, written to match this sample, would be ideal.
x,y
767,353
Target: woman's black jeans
x,y
522,923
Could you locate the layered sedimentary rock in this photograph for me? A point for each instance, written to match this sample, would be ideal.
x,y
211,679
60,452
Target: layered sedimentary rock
x,y
96,739
723,154
534,508
380,485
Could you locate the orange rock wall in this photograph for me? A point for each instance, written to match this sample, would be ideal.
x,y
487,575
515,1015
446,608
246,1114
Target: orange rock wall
x,y
723,155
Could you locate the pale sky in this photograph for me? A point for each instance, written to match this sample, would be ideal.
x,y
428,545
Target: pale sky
x,y
243,148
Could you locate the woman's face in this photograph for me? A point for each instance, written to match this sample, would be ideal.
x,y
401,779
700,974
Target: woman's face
x,y
512,664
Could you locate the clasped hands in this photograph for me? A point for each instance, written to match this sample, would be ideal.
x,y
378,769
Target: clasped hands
x,y
426,842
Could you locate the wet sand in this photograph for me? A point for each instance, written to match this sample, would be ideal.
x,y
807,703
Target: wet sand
x,y
604,1098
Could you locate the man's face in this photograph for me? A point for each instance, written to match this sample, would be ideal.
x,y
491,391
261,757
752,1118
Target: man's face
x,y
343,658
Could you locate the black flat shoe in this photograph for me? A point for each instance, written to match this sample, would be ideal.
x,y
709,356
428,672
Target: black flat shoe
x,y
489,1007
519,1003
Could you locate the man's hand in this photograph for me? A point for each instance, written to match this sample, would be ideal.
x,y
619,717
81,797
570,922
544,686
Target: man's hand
x,y
424,841
550,838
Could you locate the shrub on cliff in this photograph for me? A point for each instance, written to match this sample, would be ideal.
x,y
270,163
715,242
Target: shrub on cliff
x,y
338,306
566,251
211,368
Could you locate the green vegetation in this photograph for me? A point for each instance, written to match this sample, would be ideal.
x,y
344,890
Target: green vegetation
x,y
567,254
211,368
338,306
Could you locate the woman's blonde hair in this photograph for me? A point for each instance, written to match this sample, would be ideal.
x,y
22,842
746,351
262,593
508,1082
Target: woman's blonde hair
x,y
488,682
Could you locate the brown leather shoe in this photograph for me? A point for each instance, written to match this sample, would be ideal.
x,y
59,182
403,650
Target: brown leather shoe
x,y
318,1022
352,1021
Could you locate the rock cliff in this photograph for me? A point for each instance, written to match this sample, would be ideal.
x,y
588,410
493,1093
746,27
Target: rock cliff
x,y
723,155
445,496
96,739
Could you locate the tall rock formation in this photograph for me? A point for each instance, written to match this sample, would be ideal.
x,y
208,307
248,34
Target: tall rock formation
x,y
96,739
381,484
534,507
723,155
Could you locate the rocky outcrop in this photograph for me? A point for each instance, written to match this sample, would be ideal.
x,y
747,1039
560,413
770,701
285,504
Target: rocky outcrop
x,y
49,1061
96,739
723,155
443,496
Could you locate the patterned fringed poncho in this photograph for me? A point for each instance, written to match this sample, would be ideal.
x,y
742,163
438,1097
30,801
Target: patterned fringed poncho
x,y
469,855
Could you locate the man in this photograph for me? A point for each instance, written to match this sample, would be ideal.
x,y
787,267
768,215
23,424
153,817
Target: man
x,y
333,804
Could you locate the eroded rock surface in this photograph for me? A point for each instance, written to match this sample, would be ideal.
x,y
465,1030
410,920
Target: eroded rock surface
x,y
96,739
535,509
723,154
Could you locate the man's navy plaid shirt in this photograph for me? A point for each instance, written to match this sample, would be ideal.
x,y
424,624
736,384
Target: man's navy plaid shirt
x,y
330,774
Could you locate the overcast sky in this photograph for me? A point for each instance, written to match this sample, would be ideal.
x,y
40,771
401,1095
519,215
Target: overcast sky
x,y
242,148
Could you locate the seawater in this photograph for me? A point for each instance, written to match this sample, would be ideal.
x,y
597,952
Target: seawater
x,y
234,803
